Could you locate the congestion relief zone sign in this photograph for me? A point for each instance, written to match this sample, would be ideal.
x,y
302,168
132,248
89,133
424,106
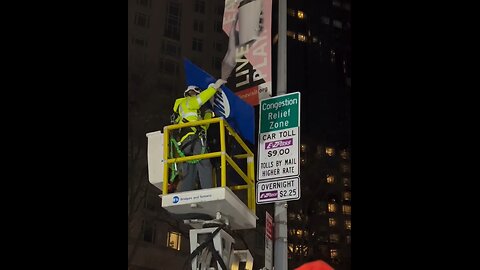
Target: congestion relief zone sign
x,y
278,148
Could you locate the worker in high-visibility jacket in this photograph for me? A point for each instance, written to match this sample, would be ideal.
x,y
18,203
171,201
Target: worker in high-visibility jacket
x,y
193,140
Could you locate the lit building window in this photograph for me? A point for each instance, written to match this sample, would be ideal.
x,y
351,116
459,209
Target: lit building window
x,y
347,209
291,34
332,208
301,233
275,39
314,39
299,250
330,179
344,152
346,181
348,224
347,195
330,151
303,147
298,233
332,222
304,249
300,14
332,56
334,238
291,12
174,240
333,254
302,37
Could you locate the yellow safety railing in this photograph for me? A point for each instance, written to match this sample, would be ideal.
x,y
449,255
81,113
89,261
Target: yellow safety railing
x,y
248,177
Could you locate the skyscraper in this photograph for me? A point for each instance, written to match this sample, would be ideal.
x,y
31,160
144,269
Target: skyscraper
x,y
319,66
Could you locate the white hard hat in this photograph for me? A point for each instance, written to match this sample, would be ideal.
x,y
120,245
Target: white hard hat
x,y
195,88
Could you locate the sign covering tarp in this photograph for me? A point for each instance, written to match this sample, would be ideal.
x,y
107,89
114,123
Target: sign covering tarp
x,y
247,63
239,114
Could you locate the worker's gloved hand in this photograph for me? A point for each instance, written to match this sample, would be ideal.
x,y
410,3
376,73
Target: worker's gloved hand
x,y
217,85
220,82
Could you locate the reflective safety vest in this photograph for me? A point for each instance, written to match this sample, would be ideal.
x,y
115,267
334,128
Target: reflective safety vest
x,y
188,109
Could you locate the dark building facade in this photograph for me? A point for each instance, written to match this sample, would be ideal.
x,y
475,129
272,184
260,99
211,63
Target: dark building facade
x,y
319,224
161,33
319,66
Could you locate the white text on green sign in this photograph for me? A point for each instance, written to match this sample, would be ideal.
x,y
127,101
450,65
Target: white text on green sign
x,y
279,112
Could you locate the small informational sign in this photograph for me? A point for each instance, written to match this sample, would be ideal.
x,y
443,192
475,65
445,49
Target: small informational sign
x,y
278,190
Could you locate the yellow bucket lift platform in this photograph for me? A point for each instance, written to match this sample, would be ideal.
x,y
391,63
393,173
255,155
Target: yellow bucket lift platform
x,y
214,202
